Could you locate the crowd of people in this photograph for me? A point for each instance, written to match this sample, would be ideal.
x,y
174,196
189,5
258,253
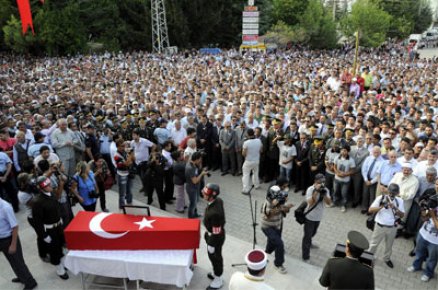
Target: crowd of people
x,y
84,123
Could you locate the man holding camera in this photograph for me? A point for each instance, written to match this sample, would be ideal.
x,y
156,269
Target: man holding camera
x,y
194,177
360,276
427,238
315,195
390,209
274,210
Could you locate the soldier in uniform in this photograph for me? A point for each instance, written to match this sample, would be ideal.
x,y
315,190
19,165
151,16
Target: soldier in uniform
x,y
256,261
152,124
316,157
360,276
214,221
142,129
46,213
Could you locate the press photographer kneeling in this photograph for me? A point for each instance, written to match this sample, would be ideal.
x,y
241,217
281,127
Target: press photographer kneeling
x,y
390,209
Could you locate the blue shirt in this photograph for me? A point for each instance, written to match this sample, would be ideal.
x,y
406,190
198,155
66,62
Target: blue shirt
x,y
387,171
34,149
162,135
85,187
7,219
375,170
105,143
4,161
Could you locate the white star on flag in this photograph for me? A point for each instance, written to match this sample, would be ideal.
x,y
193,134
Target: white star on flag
x,y
144,223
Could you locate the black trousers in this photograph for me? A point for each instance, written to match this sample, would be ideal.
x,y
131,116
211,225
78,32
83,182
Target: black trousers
x,y
55,246
16,261
109,162
102,197
216,258
41,245
142,167
310,228
90,207
8,191
168,184
156,183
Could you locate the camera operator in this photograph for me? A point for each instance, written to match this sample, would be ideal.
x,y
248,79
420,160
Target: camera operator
x,y
214,222
194,177
427,239
155,178
315,194
274,209
360,276
390,209
26,195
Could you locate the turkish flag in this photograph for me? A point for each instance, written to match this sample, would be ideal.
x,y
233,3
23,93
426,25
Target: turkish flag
x,y
25,15
113,231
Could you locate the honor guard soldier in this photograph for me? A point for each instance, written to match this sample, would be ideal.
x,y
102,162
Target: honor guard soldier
x,y
316,157
360,276
214,221
46,213
253,279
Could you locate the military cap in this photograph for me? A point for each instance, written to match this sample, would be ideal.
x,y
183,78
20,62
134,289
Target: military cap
x,y
357,240
318,137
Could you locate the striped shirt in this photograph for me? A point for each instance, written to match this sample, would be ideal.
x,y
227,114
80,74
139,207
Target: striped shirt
x,y
271,219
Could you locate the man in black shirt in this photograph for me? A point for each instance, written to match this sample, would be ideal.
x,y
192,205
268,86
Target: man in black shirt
x,y
214,221
91,143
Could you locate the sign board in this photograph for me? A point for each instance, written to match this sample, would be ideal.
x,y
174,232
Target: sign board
x,y
250,20
250,26
250,31
250,8
250,38
250,14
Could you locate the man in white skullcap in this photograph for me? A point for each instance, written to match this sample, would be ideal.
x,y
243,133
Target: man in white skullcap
x,y
253,278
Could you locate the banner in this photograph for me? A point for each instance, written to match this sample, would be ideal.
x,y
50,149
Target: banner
x,y
25,15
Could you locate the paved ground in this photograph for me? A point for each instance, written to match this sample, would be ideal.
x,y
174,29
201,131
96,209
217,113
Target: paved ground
x,y
333,230
428,52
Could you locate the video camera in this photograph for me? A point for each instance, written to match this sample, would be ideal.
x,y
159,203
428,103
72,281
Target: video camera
x,y
429,202
274,192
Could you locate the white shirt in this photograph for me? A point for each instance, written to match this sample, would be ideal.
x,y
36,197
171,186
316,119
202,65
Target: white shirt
x,y
113,150
408,185
141,149
53,158
169,160
428,231
178,135
420,169
286,152
386,216
253,148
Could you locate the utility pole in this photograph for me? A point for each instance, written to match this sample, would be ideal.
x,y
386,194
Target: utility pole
x,y
160,37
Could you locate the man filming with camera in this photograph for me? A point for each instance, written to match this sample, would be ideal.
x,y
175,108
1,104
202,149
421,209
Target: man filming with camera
x,y
427,238
274,210
315,196
390,209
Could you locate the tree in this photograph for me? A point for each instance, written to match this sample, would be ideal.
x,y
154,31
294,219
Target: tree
x,y
288,11
282,34
319,27
370,20
423,18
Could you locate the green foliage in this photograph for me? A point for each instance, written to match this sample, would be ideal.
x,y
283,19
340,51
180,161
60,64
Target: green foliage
x,y
408,17
288,11
13,37
370,20
281,34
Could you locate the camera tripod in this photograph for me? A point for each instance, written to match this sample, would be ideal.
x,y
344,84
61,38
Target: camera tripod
x,y
254,223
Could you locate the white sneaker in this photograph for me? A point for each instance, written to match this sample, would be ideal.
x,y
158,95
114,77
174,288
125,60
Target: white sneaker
x,y
425,278
411,269
217,283
343,209
281,269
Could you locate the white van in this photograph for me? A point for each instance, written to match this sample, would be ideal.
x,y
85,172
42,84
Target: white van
x,y
417,40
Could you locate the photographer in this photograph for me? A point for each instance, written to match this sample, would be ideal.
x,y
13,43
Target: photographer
x,y
155,178
123,161
315,194
390,209
274,209
84,187
427,239
360,276
193,178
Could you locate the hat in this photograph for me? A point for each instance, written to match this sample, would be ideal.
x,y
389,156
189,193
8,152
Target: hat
x,y
354,79
406,165
43,182
357,240
39,135
318,138
419,144
256,260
